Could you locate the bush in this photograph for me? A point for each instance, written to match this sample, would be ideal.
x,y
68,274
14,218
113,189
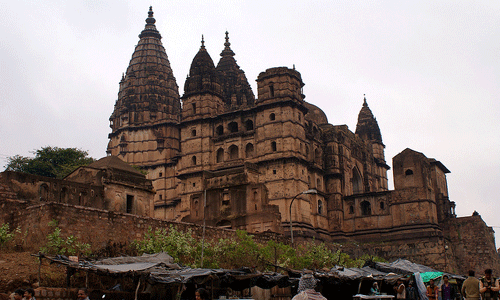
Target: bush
x,y
6,235
243,251
70,245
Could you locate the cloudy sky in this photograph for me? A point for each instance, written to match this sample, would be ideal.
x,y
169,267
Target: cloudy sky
x,y
430,71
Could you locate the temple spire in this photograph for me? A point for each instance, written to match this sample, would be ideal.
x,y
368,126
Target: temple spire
x,y
364,101
227,49
202,48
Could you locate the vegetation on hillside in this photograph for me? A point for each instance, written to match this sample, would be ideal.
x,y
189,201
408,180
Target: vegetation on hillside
x,y
244,251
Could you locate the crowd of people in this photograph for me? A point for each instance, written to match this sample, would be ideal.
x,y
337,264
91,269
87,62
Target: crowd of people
x,y
486,288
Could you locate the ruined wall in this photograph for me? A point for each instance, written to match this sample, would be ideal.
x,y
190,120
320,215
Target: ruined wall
x,y
36,188
473,244
429,251
100,228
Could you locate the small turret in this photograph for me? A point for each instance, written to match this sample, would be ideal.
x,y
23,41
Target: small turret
x,y
279,84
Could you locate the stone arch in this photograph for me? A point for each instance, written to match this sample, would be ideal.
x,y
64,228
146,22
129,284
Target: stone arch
x,y
366,208
43,192
220,155
233,152
320,207
357,181
249,125
219,130
233,127
249,150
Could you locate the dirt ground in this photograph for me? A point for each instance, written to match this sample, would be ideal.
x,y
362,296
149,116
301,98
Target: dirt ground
x,y
20,270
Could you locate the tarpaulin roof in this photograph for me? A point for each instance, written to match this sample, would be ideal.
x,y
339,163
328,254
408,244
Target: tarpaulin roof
x,y
402,266
160,268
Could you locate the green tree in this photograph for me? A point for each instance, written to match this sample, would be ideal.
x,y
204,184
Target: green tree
x,y
50,162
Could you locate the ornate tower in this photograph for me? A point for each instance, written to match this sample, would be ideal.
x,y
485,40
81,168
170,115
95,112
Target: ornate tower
x,y
236,90
367,128
202,90
145,119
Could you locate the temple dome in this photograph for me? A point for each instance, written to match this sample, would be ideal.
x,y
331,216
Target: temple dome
x,y
315,114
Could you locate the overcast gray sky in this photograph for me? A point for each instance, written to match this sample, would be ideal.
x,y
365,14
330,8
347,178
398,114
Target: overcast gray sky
x,y
430,71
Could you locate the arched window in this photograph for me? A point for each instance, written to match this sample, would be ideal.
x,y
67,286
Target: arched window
x,y
193,160
357,182
194,108
351,209
233,127
193,132
219,130
320,207
271,89
43,192
366,209
272,117
233,152
273,146
318,183
382,205
249,125
220,155
409,172
249,150
317,156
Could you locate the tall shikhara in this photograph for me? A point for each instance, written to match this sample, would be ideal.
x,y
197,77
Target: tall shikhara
x,y
145,119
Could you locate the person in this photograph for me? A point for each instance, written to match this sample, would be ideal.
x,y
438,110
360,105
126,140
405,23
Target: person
x,y
400,289
411,292
432,290
488,286
447,291
470,287
201,294
29,294
374,291
18,294
83,294
306,291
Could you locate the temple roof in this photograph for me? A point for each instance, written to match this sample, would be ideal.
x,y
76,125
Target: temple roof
x,y
202,74
367,127
234,82
114,162
149,83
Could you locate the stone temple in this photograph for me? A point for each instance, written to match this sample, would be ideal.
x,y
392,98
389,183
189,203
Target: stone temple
x,y
266,162
238,160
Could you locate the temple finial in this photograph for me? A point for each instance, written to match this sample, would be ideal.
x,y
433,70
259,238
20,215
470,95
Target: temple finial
x,y
227,44
227,50
150,20
364,100
202,42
